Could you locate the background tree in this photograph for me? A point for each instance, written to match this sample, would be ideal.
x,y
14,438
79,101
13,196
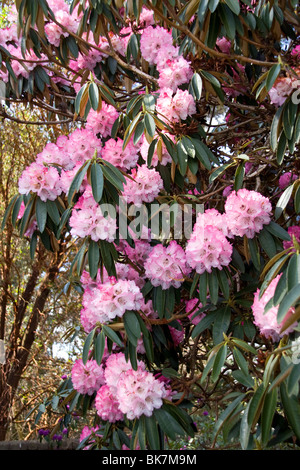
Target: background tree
x,y
197,102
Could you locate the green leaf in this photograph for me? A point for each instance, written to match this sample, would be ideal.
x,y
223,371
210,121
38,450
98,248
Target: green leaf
x,y
202,11
245,429
293,271
278,231
227,18
219,362
283,201
87,345
221,324
111,334
272,75
182,157
267,415
93,258
275,128
77,181
41,214
203,324
94,95
99,347
152,432
291,409
255,405
234,6
291,298
97,181
225,415
149,124
53,211
240,360
132,326
213,286
267,242
196,83
168,424
239,176
297,200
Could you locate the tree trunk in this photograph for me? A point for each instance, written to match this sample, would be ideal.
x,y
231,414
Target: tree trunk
x,y
21,339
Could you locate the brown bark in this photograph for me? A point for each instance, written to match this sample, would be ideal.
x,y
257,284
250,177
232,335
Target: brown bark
x,y
23,336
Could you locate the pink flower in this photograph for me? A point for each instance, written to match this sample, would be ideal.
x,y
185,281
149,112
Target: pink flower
x,y
296,51
154,40
124,159
286,179
86,432
176,107
139,393
54,32
267,321
192,306
116,366
247,212
101,122
107,406
294,232
87,378
283,87
177,334
146,186
42,180
82,145
87,219
109,300
166,266
207,248
224,45
174,73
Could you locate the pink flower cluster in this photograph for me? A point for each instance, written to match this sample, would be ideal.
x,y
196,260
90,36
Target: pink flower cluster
x,y
125,159
166,265
54,32
294,233
42,180
175,107
207,248
108,300
267,321
87,378
127,391
146,186
283,87
101,122
87,219
247,212
286,179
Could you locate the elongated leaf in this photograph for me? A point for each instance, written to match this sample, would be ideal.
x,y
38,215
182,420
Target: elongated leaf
x,y
283,201
94,95
267,415
99,347
219,362
41,214
221,324
132,326
255,405
272,75
291,408
112,335
97,181
77,181
93,258
291,298
152,432
293,271
87,345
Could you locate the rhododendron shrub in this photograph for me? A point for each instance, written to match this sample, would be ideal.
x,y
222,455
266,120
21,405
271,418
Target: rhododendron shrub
x,y
182,115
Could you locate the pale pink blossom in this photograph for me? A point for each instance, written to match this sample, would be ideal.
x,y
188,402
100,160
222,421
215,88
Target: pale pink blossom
x,y
247,212
101,122
87,378
267,321
42,180
166,266
145,187
107,406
